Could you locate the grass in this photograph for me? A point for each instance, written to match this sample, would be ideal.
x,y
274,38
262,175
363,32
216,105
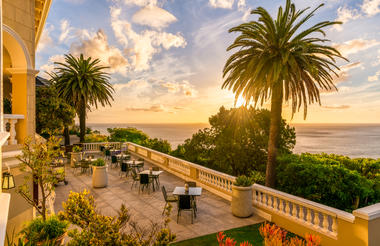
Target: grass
x,y
247,233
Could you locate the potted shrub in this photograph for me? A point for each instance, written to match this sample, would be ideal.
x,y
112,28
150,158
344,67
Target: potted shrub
x,y
241,204
45,232
76,154
99,174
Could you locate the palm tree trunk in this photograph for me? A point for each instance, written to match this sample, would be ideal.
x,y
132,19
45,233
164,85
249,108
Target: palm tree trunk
x,y
274,134
66,135
82,122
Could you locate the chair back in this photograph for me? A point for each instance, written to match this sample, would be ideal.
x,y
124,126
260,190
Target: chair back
x,y
164,192
144,178
155,169
101,148
124,167
108,152
140,159
113,159
134,174
184,202
191,183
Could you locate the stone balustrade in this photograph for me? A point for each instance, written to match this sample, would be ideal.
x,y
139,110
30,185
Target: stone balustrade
x,y
10,121
298,215
95,147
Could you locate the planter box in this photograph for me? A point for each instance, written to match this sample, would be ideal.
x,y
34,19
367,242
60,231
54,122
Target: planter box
x,y
77,156
241,204
99,177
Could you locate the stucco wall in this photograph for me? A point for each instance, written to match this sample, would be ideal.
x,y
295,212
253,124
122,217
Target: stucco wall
x,y
19,15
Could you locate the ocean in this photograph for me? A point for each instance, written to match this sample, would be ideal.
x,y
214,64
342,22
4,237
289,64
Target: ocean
x,y
353,140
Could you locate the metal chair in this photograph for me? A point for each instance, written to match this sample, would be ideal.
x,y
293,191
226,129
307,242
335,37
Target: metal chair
x,y
114,161
85,166
76,166
168,198
135,178
156,178
193,198
185,203
124,169
145,181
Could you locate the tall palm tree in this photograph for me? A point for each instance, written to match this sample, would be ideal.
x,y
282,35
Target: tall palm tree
x,y
278,61
84,84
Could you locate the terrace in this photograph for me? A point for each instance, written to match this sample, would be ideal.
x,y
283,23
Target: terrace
x,y
300,216
214,213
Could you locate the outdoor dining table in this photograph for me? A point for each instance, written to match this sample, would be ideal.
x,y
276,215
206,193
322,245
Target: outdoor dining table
x,y
154,175
122,156
193,191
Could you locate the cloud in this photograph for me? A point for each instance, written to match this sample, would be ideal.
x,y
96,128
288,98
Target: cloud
x,y
371,7
141,47
225,4
355,45
154,108
344,15
374,77
153,16
45,39
184,88
65,30
337,107
343,74
74,1
49,66
140,2
96,46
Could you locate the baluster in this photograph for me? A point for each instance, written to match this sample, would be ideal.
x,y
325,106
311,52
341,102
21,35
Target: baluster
x,y
294,210
275,203
281,205
12,131
317,220
334,225
301,213
265,199
325,222
308,215
287,208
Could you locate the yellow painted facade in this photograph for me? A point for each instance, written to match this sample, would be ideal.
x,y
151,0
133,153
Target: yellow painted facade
x,y
22,25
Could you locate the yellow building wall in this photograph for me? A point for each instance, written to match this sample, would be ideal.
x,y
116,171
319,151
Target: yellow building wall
x,y
19,15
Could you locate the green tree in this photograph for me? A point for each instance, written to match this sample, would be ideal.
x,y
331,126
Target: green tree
x,y
84,84
36,160
236,142
129,134
277,60
53,114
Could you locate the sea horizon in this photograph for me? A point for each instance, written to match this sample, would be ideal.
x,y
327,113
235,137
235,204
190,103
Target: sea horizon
x,y
350,139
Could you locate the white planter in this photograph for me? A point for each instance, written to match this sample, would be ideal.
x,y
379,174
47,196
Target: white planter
x,y
77,156
241,204
99,177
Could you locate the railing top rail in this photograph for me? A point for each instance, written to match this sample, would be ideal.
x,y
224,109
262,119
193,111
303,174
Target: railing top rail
x,y
187,162
14,116
306,203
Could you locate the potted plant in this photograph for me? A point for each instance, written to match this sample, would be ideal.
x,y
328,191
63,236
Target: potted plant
x,y
76,154
241,204
99,174
45,232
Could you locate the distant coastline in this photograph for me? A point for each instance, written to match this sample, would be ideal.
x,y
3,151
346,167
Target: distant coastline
x,y
352,139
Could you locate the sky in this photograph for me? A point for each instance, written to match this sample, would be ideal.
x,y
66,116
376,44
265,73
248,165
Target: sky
x,y
166,57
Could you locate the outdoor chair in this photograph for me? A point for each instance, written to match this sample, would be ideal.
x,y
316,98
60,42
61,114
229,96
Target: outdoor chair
x,y
155,168
114,161
185,203
124,169
168,198
85,166
157,178
145,182
193,198
135,177
76,166
107,153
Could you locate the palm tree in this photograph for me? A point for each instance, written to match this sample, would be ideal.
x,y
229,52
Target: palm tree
x,y
278,61
82,83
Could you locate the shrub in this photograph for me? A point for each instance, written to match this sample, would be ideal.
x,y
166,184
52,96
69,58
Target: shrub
x,y
39,230
158,144
77,148
99,163
243,181
98,229
326,180
258,177
95,138
129,134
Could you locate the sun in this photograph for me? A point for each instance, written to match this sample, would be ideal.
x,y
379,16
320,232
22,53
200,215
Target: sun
x,y
240,102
